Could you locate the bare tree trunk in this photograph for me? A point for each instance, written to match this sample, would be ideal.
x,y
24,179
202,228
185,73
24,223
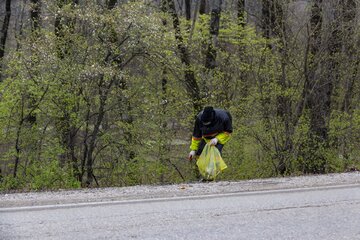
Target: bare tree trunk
x,y
349,8
273,25
266,20
104,91
190,81
188,9
85,141
61,22
203,6
163,145
35,13
284,104
311,61
267,25
59,26
241,18
103,95
4,32
20,127
67,131
334,48
111,4
195,14
17,141
318,91
241,12
273,22
210,62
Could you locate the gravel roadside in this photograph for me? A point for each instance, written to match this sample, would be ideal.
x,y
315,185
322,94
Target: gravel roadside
x,y
176,190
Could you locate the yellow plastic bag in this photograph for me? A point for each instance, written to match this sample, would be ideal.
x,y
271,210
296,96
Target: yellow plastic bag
x,y
210,162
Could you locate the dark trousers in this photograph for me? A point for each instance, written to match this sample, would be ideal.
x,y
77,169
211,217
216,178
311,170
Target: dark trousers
x,y
202,145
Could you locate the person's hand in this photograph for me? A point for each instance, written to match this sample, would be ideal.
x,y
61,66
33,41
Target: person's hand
x,y
192,155
213,141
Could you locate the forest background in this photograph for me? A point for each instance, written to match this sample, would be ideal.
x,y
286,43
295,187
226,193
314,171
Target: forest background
x,y
105,93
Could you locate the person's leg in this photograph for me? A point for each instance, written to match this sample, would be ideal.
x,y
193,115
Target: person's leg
x,y
195,167
219,147
201,147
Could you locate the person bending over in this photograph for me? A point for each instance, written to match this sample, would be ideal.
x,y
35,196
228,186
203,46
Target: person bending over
x,y
213,126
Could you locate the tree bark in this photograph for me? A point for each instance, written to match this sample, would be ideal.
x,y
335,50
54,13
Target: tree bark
x,y
319,101
60,23
349,8
318,90
20,127
189,81
111,4
17,141
188,9
347,38
241,12
272,19
210,62
104,89
35,13
85,140
66,129
266,20
203,6
103,95
273,25
4,32
195,14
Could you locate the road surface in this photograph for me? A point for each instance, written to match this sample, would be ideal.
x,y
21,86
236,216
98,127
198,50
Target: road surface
x,y
325,212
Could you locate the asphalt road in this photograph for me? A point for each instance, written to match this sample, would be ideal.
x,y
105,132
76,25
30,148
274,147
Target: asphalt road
x,y
309,213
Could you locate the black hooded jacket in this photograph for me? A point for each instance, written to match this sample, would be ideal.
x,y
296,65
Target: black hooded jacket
x,y
220,127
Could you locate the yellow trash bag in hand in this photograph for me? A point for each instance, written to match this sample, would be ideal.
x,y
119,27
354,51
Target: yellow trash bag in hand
x,y
210,162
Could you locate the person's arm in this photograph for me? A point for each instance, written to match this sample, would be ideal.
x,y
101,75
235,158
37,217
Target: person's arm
x,y
225,136
195,142
196,137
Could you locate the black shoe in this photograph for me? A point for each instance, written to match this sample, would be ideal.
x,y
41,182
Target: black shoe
x,y
205,180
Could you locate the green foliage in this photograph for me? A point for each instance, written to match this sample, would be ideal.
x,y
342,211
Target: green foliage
x,y
119,71
10,183
41,176
50,176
